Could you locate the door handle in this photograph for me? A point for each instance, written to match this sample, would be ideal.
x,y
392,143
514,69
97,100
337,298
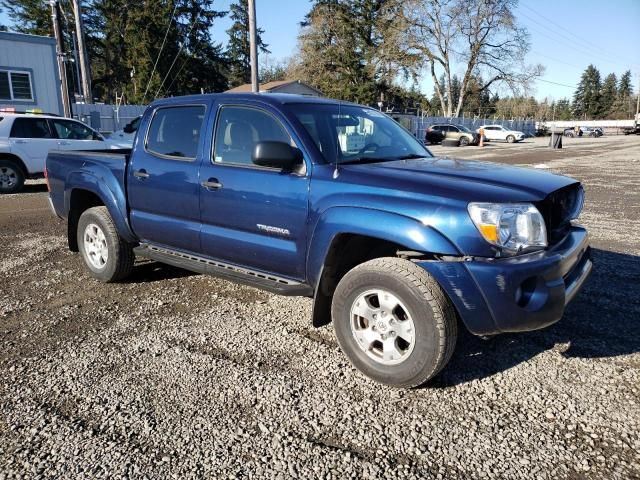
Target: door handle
x,y
63,142
141,174
21,141
212,184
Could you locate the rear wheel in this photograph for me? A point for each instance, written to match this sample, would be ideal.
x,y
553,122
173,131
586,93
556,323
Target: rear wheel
x,y
511,139
108,256
11,177
394,322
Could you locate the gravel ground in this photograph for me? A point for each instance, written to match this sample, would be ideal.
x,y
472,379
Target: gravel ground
x,y
176,375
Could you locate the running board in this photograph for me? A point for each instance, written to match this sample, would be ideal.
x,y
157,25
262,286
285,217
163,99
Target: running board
x,y
263,281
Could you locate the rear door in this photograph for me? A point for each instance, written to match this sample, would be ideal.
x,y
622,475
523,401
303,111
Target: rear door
x,y
253,216
31,138
74,135
162,179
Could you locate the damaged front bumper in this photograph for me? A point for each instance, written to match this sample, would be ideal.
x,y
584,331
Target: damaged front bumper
x,y
516,294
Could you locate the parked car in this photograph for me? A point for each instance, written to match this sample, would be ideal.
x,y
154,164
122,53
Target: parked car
x,y
584,132
591,131
464,136
26,138
498,132
393,244
124,138
632,130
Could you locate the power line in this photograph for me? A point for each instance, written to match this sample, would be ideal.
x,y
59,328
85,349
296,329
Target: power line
x,y
166,33
197,19
574,48
564,28
556,83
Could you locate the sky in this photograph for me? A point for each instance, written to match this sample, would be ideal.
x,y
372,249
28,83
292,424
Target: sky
x,y
565,37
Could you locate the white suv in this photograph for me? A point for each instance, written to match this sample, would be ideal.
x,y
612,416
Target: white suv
x,y
25,141
498,132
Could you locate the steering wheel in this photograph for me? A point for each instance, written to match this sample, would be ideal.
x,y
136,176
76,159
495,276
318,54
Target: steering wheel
x,y
368,146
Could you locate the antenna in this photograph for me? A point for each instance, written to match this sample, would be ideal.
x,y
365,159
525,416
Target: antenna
x,y
336,170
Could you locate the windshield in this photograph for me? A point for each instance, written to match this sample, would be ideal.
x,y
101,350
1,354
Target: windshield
x,y
352,134
464,129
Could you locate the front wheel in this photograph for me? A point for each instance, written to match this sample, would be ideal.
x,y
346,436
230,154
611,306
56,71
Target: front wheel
x,y
108,256
11,177
464,141
511,139
394,322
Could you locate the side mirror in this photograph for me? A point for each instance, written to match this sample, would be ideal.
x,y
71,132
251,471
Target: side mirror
x,y
276,155
128,128
97,136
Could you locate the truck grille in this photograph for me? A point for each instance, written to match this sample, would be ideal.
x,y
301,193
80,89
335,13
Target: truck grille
x,y
558,208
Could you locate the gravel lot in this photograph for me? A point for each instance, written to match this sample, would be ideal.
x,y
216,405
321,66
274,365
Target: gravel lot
x,y
176,375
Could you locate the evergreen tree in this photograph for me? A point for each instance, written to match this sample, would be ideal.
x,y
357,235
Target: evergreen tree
x,y
608,94
625,88
31,16
238,50
563,110
586,100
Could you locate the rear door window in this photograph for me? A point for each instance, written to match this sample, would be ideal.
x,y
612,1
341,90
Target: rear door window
x,y
175,132
31,128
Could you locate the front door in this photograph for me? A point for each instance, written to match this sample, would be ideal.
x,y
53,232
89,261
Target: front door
x,y
31,138
163,186
74,135
252,216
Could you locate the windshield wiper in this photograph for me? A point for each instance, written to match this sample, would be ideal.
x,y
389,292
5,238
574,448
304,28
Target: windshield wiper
x,y
412,156
363,160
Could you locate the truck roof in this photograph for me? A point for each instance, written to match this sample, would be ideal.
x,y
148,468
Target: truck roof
x,y
269,98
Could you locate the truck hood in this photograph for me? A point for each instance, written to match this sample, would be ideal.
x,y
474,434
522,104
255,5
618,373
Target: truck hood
x,y
467,180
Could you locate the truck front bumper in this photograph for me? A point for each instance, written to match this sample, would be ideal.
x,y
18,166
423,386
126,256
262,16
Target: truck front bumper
x,y
516,294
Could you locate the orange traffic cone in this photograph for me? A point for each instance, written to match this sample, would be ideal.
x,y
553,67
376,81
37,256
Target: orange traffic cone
x,y
481,144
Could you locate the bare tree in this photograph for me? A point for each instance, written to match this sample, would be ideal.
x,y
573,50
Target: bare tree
x,y
480,37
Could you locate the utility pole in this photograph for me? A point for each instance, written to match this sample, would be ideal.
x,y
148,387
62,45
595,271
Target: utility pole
x,y
253,46
636,118
57,33
82,53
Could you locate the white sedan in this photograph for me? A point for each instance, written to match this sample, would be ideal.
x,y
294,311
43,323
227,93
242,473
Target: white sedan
x,y
498,132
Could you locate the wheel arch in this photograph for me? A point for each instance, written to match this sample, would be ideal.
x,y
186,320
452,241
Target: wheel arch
x,y
83,196
335,248
18,161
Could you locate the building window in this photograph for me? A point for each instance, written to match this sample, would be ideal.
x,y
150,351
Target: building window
x,y
15,85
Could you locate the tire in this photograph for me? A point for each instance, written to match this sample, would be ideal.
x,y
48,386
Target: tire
x,y
422,308
464,141
11,177
111,258
511,139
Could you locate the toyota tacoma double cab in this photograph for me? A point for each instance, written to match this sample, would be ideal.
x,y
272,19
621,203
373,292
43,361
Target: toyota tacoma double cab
x,y
396,247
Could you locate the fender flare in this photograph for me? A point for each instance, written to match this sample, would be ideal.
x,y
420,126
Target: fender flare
x,y
114,201
389,226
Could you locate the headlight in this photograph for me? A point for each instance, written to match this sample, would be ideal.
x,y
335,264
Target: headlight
x,y
514,227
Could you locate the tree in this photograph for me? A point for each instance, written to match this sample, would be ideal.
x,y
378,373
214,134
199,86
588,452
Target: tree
x,y
30,16
480,35
586,99
608,94
625,88
329,58
238,51
562,110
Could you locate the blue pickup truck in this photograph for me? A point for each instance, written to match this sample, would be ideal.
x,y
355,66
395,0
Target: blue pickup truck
x,y
334,201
